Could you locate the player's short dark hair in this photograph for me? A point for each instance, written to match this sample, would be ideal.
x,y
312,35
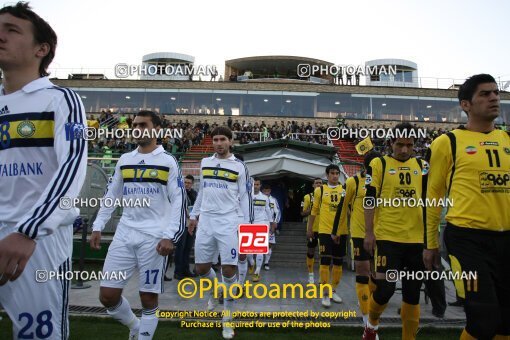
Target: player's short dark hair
x,y
156,121
317,178
404,129
332,167
265,186
222,131
468,89
43,33
190,177
369,156
256,179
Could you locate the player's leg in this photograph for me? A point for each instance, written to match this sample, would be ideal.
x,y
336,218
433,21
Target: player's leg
x,y
362,266
243,267
151,266
272,243
205,254
338,253
259,260
310,256
410,309
120,258
325,250
388,257
472,251
228,245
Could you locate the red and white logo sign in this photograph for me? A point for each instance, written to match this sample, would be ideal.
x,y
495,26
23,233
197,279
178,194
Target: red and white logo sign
x,y
253,239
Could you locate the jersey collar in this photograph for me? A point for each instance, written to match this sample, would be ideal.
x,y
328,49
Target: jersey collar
x,y
34,85
232,157
155,152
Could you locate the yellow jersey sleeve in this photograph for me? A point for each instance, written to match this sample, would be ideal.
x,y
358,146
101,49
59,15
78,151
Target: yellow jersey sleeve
x,y
439,157
316,201
340,222
373,178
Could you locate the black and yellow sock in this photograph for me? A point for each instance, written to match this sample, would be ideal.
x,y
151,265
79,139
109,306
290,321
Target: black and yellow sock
x,y
363,293
309,264
336,276
374,311
324,273
466,336
410,315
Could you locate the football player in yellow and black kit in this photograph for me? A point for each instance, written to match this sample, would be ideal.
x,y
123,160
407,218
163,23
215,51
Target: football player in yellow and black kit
x,y
395,229
306,209
472,166
326,200
353,204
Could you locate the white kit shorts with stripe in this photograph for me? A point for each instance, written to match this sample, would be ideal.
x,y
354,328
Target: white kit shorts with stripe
x,y
217,234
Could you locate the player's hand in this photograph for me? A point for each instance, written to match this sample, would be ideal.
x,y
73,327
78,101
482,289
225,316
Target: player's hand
x,y
192,224
431,258
273,227
95,240
369,243
165,247
15,251
309,233
335,238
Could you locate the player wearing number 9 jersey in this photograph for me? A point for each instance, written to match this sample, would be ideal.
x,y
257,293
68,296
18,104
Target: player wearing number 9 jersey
x,y
40,164
471,166
396,228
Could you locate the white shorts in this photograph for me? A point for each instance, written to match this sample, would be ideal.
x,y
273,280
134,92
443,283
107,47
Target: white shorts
x,y
131,249
217,234
39,310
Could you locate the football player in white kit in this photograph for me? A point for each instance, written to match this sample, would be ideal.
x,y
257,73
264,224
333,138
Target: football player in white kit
x,y
276,214
41,166
262,215
224,186
145,235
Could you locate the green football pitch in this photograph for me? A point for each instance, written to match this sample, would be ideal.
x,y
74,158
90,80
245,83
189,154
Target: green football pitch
x,y
105,328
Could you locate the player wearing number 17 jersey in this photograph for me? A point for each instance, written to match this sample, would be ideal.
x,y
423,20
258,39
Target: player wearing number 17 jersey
x,y
472,166
145,235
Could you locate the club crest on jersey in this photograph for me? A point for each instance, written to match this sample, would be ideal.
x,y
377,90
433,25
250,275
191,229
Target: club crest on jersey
x,y
415,172
368,179
392,171
426,167
225,175
153,173
507,150
471,150
26,129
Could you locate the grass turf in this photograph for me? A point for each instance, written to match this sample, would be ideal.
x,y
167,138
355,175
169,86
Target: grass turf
x,y
106,328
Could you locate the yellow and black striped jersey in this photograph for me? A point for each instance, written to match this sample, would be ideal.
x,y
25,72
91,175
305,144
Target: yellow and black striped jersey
x,y
325,205
353,204
394,181
473,170
307,204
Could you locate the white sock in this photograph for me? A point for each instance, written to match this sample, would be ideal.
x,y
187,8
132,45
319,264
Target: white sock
x,y
260,261
242,266
123,313
211,275
148,324
268,255
250,260
228,303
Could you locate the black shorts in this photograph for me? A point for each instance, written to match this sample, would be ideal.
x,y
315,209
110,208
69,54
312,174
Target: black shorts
x,y
398,256
312,242
358,251
488,254
328,248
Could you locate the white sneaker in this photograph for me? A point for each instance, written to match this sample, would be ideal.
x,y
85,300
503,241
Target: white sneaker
x,y
326,302
266,266
212,303
311,280
336,298
228,332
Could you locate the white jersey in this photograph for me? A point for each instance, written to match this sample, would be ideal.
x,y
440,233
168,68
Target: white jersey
x,y
156,176
41,162
224,187
275,209
261,209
